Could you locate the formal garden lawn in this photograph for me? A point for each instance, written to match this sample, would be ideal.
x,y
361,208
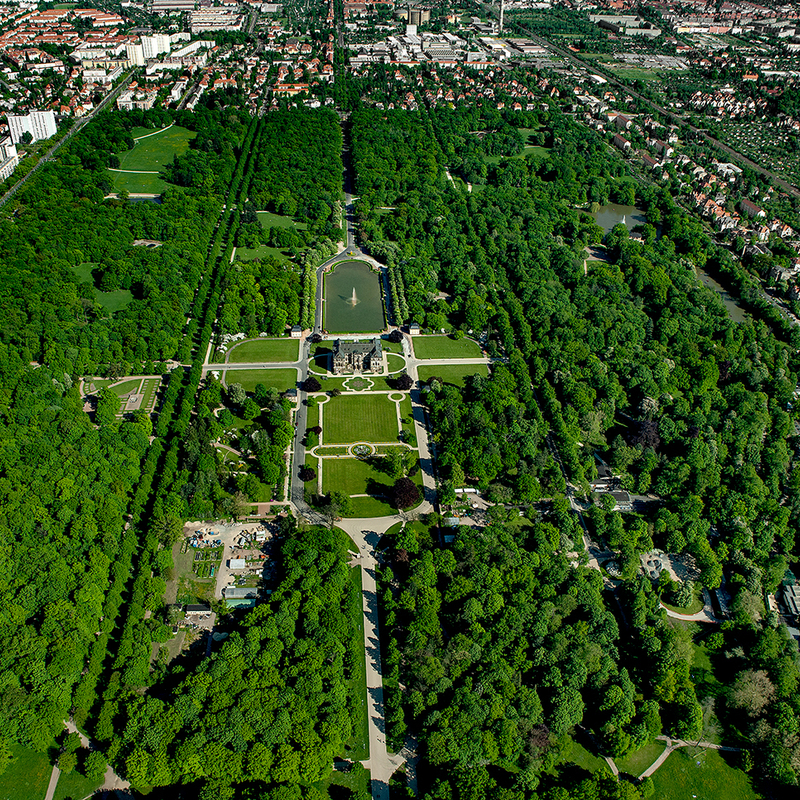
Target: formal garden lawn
x,y
27,775
149,392
395,363
359,418
354,476
701,774
280,379
637,762
453,373
126,387
266,350
445,347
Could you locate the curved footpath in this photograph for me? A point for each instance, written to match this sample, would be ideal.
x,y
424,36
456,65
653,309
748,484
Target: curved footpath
x,y
675,744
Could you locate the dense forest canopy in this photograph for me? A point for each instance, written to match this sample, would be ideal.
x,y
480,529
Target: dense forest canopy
x,y
502,649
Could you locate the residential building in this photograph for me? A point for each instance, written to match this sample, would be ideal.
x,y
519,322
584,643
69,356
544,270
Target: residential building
x,y
8,158
39,124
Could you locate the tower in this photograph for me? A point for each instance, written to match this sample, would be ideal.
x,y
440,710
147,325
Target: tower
x,y
502,4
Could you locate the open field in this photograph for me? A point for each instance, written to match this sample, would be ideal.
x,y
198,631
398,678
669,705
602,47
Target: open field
x,y
453,373
141,165
359,418
280,379
704,775
137,183
260,252
27,775
265,350
445,347
110,301
270,220
152,153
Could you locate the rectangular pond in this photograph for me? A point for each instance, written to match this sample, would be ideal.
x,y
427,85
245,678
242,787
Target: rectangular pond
x,y
353,302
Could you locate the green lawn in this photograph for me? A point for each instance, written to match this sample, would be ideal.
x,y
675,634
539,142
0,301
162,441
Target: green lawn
x,y
149,391
371,507
334,450
74,786
110,301
137,183
266,350
394,362
126,387
262,251
359,418
319,364
455,374
270,220
637,762
152,153
445,347
358,748
407,415
27,775
578,754
281,379
704,775
391,347
695,606
353,476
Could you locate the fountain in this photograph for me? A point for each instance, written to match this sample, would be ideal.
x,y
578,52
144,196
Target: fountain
x,y
623,220
353,300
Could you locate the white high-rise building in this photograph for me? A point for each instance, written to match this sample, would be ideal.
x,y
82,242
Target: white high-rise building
x,y
135,53
40,125
153,45
8,158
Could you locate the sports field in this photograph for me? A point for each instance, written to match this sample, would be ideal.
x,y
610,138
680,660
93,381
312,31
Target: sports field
x,y
359,418
281,379
456,374
265,350
445,347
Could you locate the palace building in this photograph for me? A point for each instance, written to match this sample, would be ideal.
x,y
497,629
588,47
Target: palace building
x,y
357,357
